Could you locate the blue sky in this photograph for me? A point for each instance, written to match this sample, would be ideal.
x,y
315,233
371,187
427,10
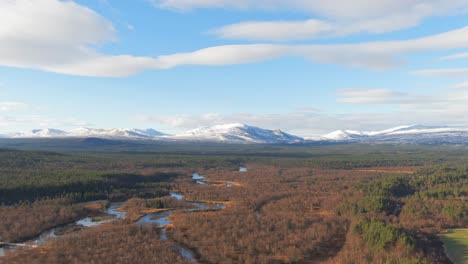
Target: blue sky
x,y
306,67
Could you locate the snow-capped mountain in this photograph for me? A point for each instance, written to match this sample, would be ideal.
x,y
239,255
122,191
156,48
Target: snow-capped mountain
x,y
238,133
413,129
41,133
115,133
343,135
419,134
150,132
245,134
118,133
228,133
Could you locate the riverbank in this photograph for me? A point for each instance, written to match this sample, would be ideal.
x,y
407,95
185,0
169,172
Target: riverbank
x,y
156,212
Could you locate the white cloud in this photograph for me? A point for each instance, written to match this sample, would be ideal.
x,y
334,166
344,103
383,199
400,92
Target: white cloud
x,y
274,30
50,32
443,102
12,106
62,36
23,122
373,96
337,9
454,72
410,108
455,56
336,17
99,65
378,55
406,108
460,85
301,122
309,29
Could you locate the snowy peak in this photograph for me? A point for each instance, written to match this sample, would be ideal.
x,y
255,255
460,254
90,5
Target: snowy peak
x,y
217,129
150,132
42,133
115,133
343,135
227,133
246,134
404,134
238,133
409,129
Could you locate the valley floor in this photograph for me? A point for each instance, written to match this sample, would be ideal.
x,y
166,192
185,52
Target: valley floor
x,y
160,208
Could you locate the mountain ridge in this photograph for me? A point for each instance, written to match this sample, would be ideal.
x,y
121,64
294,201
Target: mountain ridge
x,y
113,133
246,134
230,133
415,133
237,132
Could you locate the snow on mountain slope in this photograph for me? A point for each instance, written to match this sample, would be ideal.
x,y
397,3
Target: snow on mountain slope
x,y
405,134
115,133
238,133
41,133
343,135
150,132
241,133
229,133
411,129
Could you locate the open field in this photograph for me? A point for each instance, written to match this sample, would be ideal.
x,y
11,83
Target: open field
x,y
456,245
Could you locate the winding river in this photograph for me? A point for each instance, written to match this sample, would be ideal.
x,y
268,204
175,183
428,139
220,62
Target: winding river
x,y
55,232
199,179
112,210
160,219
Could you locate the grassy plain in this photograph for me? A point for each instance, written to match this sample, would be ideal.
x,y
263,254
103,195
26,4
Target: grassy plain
x,y
456,245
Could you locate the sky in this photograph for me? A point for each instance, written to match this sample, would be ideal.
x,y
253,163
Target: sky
x,y
307,67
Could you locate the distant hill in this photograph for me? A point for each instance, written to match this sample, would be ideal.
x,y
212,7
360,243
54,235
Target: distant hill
x,y
228,133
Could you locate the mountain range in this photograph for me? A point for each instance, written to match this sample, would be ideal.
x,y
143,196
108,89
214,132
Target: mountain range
x,y
228,133
115,133
241,133
413,134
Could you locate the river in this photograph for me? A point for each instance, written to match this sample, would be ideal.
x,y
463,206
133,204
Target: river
x,y
160,219
55,232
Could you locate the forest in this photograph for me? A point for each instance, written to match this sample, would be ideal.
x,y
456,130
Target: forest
x,y
294,204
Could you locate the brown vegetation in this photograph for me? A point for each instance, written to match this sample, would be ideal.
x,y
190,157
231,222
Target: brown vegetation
x,y
277,214
22,222
137,207
282,210
110,244
400,170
